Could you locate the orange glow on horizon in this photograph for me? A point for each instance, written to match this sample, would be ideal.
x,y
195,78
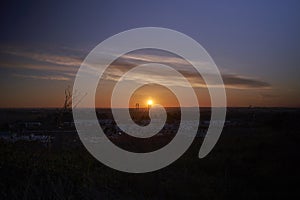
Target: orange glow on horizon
x,y
149,102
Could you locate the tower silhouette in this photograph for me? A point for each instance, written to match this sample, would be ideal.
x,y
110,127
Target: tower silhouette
x,y
137,106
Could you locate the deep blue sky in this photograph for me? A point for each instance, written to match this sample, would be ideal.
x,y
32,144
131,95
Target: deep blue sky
x,y
258,39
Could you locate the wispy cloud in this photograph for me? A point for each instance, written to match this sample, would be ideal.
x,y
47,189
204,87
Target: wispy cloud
x,y
240,82
42,65
47,58
39,67
66,65
43,77
230,80
127,62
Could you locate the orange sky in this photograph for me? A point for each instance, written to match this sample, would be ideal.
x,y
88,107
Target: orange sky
x,y
46,89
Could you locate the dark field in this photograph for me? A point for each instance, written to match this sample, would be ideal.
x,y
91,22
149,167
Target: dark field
x,y
257,157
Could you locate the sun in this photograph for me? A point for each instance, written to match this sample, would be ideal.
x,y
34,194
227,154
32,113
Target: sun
x,y
149,102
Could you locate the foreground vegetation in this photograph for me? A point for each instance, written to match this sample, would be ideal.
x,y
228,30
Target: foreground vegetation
x,y
247,163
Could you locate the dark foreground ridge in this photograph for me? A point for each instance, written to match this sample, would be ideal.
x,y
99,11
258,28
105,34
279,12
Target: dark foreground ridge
x,y
257,156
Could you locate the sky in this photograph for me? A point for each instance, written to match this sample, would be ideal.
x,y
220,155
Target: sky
x,y
255,44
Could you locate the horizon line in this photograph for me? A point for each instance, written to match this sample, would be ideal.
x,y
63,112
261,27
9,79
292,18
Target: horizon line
x,y
297,107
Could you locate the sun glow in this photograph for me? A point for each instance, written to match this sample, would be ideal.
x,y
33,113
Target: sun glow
x,y
149,102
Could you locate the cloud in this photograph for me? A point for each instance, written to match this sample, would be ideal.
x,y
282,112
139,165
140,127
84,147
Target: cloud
x,y
232,81
126,62
43,77
269,96
40,67
67,63
47,58
164,59
241,82
61,67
